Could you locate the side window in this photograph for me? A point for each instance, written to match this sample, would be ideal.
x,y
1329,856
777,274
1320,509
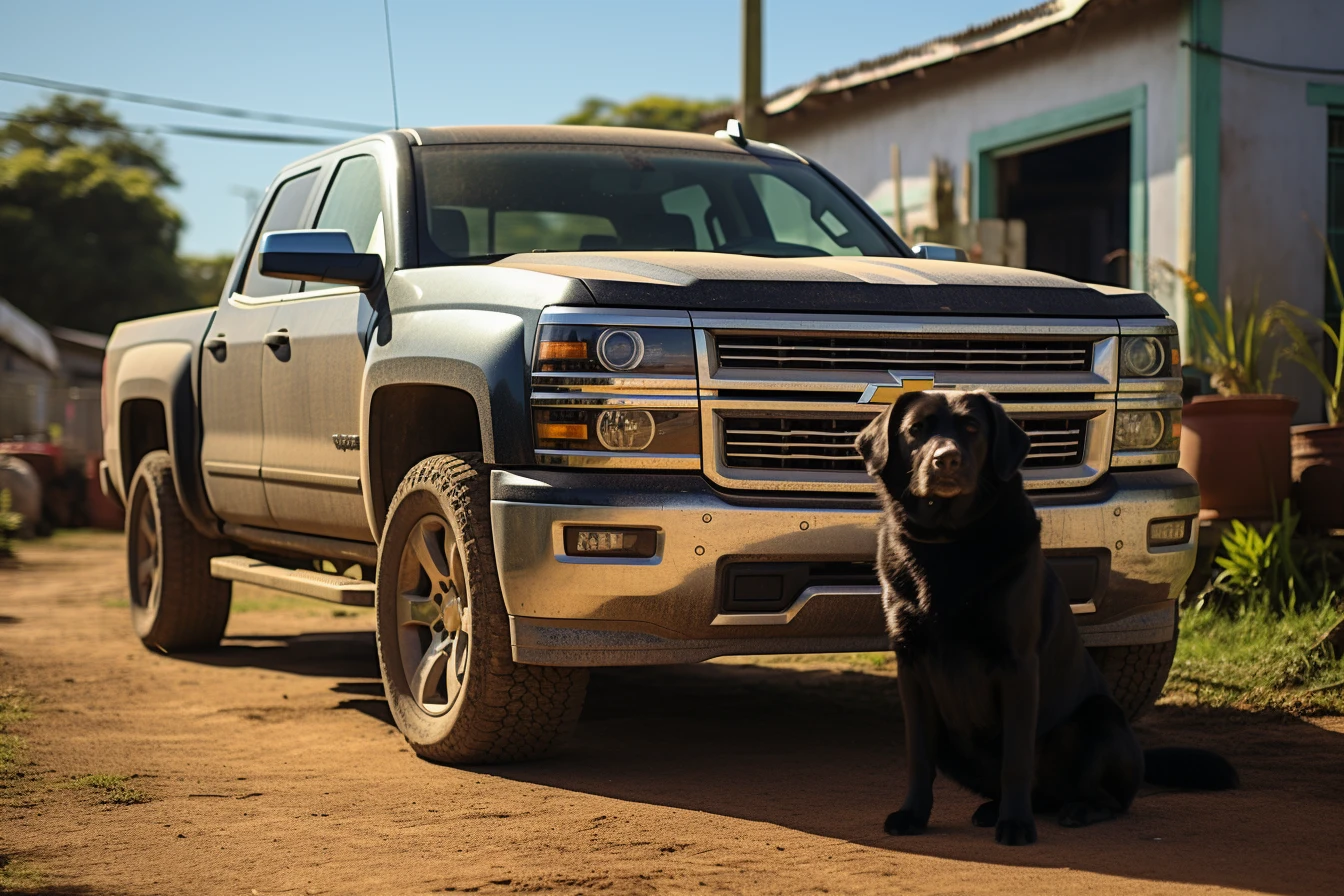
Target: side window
x,y
354,203
790,215
285,213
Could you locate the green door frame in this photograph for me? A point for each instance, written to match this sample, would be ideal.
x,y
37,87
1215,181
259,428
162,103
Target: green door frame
x,y
1125,108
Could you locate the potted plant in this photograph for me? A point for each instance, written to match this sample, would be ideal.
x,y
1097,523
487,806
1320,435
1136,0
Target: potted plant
x,y
1235,443
1318,448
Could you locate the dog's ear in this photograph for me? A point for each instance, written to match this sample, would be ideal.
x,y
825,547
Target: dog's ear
x,y
1009,444
874,443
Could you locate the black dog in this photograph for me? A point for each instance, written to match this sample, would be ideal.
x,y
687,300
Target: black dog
x,y
997,689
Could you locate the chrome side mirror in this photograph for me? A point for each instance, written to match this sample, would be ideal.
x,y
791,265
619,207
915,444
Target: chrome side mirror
x,y
325,256
939,252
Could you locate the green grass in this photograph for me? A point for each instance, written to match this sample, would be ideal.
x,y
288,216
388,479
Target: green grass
x,y
13,708
18,876
112,789
1255,659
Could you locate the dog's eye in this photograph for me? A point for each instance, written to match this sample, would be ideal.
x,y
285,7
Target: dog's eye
x,y
971,427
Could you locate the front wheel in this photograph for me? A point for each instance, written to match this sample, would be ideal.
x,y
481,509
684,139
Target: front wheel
x,y
443,631
1136,673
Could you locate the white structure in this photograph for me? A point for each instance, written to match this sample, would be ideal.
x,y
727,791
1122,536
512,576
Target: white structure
x,y
1125,132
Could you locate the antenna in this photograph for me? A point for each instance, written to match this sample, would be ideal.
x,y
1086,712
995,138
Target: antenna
x,y
391,70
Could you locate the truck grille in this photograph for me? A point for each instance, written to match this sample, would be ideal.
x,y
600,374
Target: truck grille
x,y
926,354
827,444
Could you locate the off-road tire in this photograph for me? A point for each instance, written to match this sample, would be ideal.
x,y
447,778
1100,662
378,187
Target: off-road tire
x,y
504,711
1136,673
191,607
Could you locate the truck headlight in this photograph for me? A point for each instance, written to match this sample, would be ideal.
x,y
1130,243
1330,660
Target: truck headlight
x,y
628,351
623,430
1149,356
1148,430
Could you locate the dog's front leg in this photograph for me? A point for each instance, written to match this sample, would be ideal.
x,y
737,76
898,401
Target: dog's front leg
x,y
1021,694
913,816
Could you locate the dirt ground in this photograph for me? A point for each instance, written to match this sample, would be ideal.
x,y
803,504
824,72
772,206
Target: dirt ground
x,y
271,766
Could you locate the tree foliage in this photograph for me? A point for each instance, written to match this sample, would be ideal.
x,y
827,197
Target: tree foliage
x,y
204,276
667,113
89,238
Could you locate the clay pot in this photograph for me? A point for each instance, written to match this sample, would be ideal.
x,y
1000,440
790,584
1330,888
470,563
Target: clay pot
x,y
1318,470
1237,447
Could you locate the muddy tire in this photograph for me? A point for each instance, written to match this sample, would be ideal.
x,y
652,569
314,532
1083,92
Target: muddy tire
x,y
176,605
443,632
1137,673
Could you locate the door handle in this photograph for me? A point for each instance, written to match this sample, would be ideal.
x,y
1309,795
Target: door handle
x,y
217,347
277,339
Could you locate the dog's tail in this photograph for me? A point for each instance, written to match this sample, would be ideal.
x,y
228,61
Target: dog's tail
x,y
1188,768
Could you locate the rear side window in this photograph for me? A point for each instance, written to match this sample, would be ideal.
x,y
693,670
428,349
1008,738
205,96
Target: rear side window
x,y
285,213
354,204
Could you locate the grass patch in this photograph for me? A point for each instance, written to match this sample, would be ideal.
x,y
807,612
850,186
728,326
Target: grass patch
x,y
1259,659
112,789
255,599
13,708
18,875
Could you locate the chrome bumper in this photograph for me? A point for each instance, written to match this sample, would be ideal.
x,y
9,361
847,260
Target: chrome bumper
x,y
570,611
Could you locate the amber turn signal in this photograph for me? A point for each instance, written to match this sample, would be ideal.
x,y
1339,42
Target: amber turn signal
x,y
563,351
577,431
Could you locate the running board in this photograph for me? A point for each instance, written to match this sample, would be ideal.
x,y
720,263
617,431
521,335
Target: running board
x,y
305,582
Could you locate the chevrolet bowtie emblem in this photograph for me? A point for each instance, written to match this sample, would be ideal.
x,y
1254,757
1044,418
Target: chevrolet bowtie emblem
x,y
883,393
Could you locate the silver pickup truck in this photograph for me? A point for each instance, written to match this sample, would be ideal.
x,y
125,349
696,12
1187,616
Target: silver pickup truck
x,y
551,398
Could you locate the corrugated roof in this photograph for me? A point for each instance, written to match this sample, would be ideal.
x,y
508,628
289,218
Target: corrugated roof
x,y
26,335
977,38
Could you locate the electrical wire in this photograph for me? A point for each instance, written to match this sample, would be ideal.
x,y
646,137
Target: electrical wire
x,y
387,29
1260,63
171,130
187,105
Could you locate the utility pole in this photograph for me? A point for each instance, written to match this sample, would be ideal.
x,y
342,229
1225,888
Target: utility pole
x,y
753,113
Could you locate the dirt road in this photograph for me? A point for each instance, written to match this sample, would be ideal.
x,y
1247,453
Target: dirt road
x,y
270,766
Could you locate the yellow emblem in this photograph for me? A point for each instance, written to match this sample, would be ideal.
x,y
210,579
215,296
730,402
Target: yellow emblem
x,y
883,393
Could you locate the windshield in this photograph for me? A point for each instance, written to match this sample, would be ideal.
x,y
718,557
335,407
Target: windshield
x,y
482,202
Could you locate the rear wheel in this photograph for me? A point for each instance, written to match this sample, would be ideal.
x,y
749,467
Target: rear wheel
x,y
443,631
176,605
1137,673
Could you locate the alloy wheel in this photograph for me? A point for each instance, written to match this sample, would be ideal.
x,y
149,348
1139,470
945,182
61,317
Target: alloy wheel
x,y
433,615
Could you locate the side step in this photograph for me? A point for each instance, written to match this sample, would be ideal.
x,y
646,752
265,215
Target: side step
x,y
306,582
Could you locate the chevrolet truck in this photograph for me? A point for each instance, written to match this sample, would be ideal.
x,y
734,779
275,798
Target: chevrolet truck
x,y
550,398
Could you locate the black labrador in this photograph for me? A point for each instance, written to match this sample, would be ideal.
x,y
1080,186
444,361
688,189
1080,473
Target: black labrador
x,y
997,689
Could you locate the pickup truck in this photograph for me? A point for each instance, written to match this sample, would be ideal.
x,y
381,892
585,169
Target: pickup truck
x,y
551,398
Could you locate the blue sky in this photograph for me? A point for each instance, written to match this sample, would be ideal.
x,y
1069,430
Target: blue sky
x,y
458,62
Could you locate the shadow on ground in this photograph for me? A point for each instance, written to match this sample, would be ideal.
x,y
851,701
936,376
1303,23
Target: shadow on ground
x,y
819,752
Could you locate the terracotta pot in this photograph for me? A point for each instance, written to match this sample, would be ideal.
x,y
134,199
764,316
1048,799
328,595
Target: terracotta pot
x,y
1237,447
1318,470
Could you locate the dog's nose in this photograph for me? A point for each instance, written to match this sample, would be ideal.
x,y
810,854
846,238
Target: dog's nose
x,y
947,458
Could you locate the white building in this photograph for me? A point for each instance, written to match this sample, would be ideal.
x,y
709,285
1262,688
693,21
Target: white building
x,y
1204,133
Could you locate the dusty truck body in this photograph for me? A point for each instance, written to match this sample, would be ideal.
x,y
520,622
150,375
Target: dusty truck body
x,y
555,398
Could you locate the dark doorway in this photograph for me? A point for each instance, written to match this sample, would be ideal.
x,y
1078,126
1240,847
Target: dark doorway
x,y
1074,198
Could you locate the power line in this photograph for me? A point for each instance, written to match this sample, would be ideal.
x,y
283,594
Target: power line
x,y
387,29
1260,63
187,105
171,130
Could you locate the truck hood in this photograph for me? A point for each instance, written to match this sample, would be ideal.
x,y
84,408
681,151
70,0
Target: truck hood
x,y
857,284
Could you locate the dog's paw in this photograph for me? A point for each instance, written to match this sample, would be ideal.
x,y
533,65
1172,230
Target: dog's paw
x,y
904,823
1015,831
987,816
1077,815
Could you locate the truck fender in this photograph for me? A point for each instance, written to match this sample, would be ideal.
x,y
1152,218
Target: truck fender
x,y
477,352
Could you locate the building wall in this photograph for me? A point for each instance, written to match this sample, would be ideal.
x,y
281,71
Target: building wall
x,y
1273,158
1112,51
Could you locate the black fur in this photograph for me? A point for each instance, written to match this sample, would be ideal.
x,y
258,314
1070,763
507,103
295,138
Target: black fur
x,y
998,692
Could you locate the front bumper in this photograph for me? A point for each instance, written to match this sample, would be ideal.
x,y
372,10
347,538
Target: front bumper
x,y
570,611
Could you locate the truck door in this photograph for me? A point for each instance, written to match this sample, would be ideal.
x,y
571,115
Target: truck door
x,y
231,404
311,385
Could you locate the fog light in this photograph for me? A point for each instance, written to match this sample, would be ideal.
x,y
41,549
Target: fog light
x,y
620,349
1139,430
1162,533
625,430
582,541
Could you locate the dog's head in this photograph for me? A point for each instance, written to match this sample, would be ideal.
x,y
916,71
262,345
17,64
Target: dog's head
x,y
939,454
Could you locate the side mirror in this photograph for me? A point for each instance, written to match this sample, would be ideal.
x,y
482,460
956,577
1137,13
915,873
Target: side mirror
x,y
325,256
937,252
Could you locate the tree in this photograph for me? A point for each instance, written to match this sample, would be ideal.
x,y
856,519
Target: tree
x,y
203,276
667,113
89,238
